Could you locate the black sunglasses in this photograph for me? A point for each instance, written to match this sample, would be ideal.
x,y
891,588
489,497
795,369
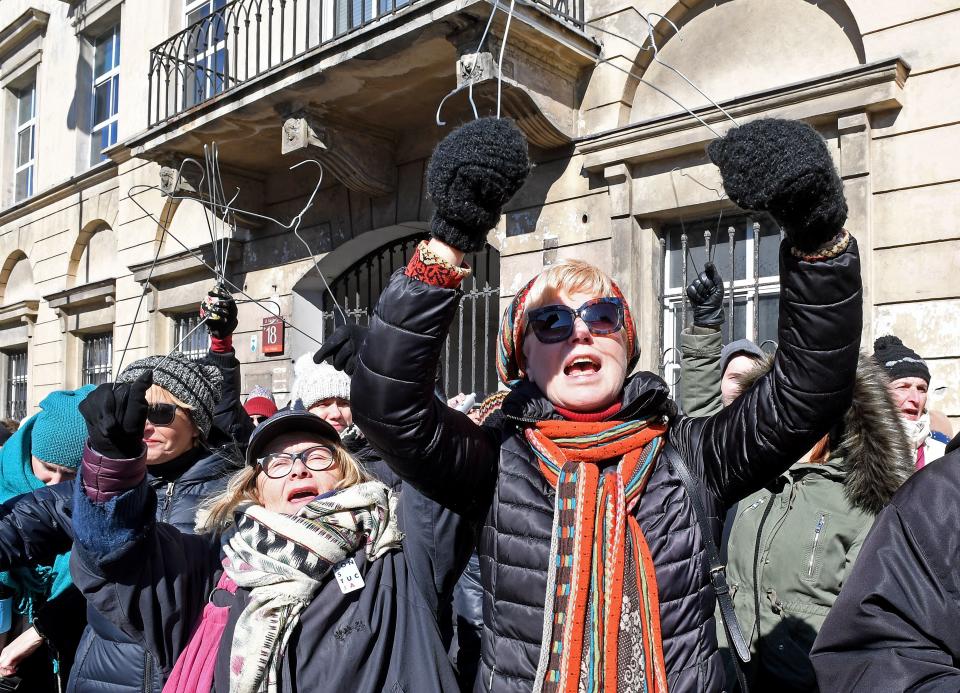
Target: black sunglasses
x,y
553,324
161,414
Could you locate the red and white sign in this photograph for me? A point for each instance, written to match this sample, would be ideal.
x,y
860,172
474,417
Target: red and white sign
x,y
271,335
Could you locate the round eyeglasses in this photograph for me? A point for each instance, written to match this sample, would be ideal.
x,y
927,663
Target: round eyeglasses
x,y
277,465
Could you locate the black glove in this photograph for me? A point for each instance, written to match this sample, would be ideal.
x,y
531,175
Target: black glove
x,y
706,296
783,166
220,310
115,416
474,171
342,347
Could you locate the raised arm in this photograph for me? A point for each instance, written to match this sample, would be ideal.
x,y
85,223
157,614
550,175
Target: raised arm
x,y
474,171
149,579
231,423
784,167
700,346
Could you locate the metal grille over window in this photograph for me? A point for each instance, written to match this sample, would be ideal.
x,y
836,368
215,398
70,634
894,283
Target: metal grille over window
x,y
746,251
16,395
26,141
106,93
97,358
468,361
190,337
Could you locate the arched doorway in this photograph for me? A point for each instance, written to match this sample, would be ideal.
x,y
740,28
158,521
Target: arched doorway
x,y
468,363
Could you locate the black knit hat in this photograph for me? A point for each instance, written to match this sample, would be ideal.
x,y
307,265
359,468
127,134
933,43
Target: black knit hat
x,y
473,173
899,361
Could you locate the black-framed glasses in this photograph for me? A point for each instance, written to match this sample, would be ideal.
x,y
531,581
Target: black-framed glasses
x,y
553,324
277,465
161,413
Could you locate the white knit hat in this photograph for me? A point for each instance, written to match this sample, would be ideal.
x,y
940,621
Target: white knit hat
x,y
313,382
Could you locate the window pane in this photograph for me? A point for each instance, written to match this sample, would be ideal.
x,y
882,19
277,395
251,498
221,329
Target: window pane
x,y
98,142
24,146
769,249
101,102
769,315
25,105
24,183
697,251
104,58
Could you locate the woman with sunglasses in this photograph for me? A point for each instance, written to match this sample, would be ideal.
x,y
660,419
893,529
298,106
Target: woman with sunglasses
x,y
306,577
593,563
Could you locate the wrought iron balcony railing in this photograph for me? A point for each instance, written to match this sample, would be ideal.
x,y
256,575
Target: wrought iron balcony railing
x,y
235,42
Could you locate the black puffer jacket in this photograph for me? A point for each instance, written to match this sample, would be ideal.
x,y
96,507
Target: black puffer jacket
x,y
495,478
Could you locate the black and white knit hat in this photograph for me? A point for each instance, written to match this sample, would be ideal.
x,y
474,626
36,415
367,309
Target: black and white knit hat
x,y
898,360
191,382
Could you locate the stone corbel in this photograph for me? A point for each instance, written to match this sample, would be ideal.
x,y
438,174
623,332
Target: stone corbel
x,y
169,185
360,159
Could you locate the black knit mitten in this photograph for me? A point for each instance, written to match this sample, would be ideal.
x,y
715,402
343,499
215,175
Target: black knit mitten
x,y
473,173
783,167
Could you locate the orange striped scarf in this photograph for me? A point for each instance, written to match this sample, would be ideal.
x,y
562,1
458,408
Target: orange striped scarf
x,y
602,611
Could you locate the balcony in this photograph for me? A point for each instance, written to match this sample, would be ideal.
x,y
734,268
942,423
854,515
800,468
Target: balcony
x,y
359,76
247,39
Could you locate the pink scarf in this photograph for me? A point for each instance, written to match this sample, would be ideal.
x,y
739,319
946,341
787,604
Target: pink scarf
x,y
193,672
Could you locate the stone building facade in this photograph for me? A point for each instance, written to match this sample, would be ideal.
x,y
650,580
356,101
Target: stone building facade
x,y
104,256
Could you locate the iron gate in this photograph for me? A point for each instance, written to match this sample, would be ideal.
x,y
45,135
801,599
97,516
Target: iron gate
x,y
468,362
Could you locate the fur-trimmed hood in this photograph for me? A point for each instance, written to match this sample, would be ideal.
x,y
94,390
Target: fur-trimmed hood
x,y
875,451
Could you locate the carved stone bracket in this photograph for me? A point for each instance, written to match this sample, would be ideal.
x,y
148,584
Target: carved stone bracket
x,y
361,159
515,101
543,65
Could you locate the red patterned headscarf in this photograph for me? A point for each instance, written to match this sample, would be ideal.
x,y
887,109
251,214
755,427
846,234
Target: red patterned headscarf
x,y
513,325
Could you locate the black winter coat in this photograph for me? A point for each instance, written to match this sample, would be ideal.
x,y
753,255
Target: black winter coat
x,y
38,526
894,625
495,478
154,582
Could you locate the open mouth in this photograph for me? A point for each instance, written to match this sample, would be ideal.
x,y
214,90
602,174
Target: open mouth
x,y
301,495
582,366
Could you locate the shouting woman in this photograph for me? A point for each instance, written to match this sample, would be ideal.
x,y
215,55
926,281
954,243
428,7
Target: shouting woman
x,y
591,556
306,577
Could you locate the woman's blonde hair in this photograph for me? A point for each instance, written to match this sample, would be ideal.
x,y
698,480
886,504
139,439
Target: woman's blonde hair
x,y
216,513
570,277
156,393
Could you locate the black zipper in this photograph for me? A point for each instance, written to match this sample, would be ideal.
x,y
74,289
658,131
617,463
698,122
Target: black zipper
x,y
147,676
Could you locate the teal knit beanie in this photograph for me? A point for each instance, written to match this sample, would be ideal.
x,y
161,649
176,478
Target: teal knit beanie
x,y
60,431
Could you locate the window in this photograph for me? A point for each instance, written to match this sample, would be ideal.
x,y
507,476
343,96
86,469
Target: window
x,y
753,267
97,358
106,92
16,390
26,149
206,50
189,336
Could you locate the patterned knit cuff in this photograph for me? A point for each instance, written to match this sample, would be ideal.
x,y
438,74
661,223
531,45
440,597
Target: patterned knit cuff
x,y
831,249
221,345
433,269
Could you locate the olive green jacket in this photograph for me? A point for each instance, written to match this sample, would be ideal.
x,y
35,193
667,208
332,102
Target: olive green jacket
x,y
784,584
793,544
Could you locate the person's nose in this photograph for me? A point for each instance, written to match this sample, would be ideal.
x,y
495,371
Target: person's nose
x,y
55,478
298,469
581,333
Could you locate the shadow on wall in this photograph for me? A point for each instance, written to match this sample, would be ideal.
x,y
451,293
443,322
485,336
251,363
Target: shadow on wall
x,y
525,209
